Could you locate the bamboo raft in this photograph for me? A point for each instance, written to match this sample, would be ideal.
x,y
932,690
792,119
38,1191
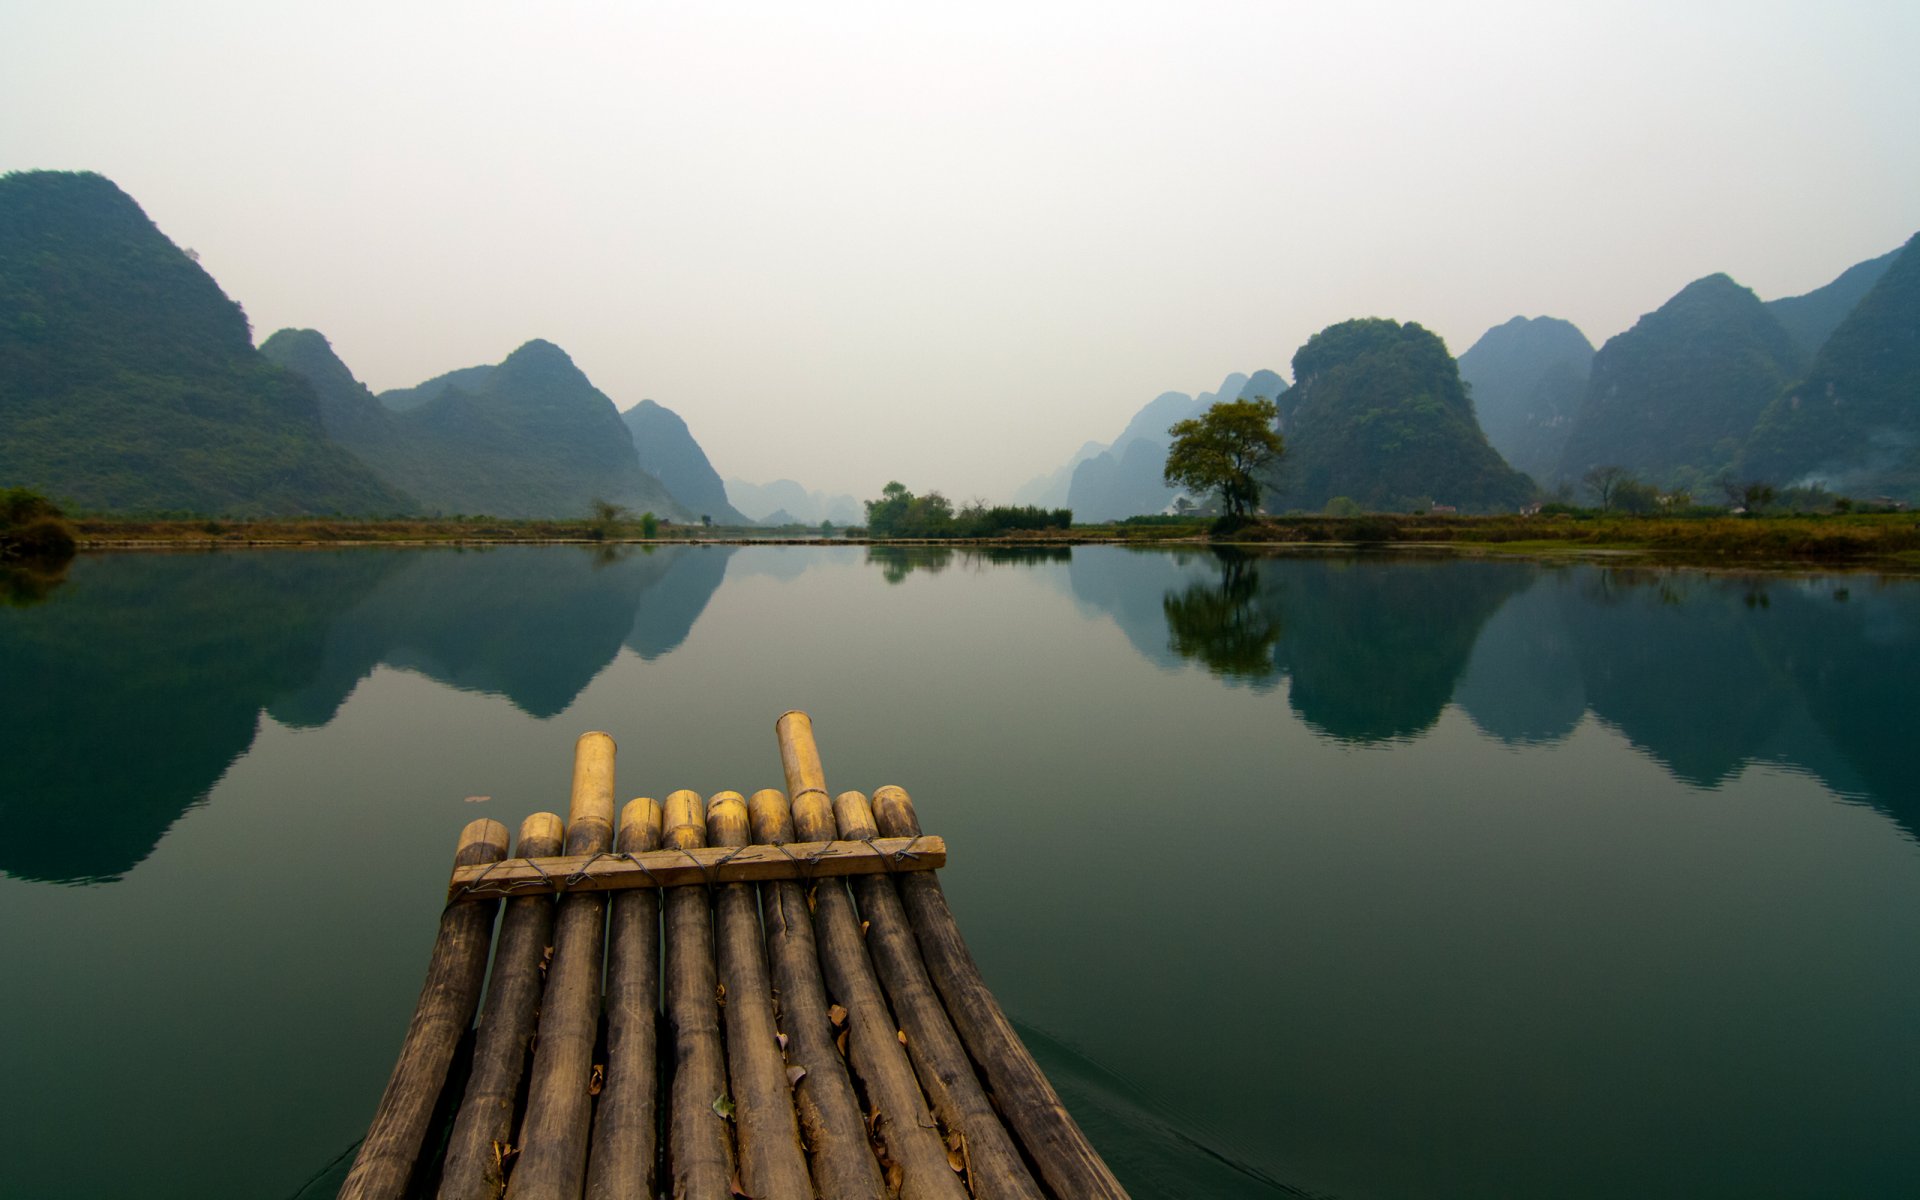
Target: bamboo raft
x,y
763,997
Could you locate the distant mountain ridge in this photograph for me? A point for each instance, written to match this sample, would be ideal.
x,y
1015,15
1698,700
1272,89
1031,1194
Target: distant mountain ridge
x,y
669,453
1126,478
1810,319
1852,424
1527,378
528,437
1675,397
786,502
129,381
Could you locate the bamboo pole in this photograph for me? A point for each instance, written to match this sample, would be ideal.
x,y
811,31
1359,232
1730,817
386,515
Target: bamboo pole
x,y
458,964
699,1142
476,1151
830,1119
1028,1104
553,1137
626,1123
771,1164
993,1162
899,1118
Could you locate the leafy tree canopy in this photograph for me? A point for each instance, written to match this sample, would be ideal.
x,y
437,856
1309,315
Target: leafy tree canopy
x,y
1224,449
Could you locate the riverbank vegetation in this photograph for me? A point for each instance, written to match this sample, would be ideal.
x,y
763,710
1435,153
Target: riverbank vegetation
x,y
898,513
36,544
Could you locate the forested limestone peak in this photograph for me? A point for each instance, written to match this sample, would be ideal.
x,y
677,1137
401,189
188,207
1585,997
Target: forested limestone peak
x,y
1378,414
1852,424
1675,397
129,381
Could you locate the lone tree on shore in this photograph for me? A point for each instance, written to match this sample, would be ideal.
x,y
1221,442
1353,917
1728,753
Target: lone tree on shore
x,y
1604,482
1223,450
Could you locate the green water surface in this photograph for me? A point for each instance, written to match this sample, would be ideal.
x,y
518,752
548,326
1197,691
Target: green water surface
x,y
1367,877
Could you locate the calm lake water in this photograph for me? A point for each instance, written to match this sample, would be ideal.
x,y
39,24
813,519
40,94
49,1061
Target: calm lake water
x,y
1363,877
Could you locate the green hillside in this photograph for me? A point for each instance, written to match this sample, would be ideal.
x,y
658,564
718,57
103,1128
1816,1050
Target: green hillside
x,y
1810,319
1377,413
529,437
669,453
1675,397
1853,423
129,381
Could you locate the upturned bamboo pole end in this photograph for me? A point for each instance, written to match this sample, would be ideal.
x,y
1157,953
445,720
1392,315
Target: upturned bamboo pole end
x,y
590,807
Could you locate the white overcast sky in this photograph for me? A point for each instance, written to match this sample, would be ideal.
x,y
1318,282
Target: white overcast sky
x,y
947,243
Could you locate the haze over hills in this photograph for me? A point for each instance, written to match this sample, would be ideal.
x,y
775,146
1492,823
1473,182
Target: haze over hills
x,y
785,502
129,381
1378,414
128,384
1675,397
531,437
1527,378
1810,319
1107,481
668,452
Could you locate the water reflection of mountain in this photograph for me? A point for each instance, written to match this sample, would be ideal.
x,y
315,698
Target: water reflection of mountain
x,y
1709,673
172,659
165,662
521,622
1706,674
1371,648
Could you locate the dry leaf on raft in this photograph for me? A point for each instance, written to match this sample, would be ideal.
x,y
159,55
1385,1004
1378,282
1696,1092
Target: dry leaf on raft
x,y
902,1035
597,1080
795,1075
837,1015
723,1106
478,799
841,1042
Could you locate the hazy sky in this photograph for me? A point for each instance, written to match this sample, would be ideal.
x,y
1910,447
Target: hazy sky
x,y
948,243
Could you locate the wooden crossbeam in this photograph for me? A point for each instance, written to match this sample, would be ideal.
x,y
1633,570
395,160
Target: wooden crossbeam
x,y
706,865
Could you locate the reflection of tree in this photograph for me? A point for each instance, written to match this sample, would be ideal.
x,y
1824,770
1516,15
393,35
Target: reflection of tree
x,y
898,562
1223,626
1372,650
21,586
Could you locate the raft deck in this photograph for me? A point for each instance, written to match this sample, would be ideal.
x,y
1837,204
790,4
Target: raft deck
x,y
762,997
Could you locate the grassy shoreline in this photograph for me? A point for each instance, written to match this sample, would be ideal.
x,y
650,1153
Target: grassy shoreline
x,y
1883,541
